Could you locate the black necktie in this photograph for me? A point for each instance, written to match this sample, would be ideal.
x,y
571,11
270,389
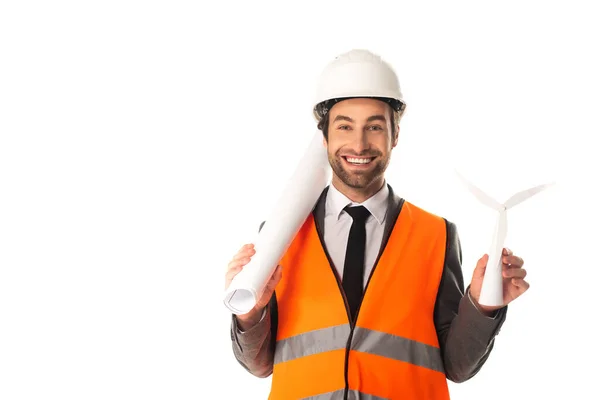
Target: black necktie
x,y
354,263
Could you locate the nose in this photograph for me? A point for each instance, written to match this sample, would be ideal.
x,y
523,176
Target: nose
x,y
360,142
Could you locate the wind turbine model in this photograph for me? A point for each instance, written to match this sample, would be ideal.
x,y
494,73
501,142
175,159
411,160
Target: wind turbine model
x,y
491,289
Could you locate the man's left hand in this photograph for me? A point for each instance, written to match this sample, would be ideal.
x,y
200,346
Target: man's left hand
x,y
513,283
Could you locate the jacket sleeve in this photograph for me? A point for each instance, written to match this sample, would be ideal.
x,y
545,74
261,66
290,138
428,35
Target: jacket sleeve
x,y
466,336
254,348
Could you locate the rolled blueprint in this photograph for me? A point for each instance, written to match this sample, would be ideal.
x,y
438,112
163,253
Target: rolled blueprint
x,y
285,220
491,288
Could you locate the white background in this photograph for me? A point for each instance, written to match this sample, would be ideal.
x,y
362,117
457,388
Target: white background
x,y
143,142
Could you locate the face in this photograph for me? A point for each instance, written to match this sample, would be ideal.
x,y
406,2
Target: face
x,y
360,142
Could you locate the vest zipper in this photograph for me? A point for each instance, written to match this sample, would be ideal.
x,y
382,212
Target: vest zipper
x,y
352,323
349,342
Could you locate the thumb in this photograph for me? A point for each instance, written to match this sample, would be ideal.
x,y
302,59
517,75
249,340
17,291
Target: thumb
x,y
479,270
275,278
269,288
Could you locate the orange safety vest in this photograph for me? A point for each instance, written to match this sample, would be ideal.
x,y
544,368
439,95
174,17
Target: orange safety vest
x,y
392,352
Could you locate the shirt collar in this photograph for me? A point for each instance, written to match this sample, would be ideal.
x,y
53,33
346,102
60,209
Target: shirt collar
x,y
376,204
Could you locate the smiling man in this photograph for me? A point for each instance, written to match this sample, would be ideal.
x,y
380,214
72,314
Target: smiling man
x,y
368,302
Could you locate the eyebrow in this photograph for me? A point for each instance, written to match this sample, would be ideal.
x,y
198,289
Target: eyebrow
x,y
343,118
370,119
376,118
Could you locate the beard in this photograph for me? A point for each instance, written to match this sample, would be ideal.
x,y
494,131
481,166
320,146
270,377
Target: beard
x,y
359,179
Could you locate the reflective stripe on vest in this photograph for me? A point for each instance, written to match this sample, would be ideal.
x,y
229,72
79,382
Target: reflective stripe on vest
x,y
393,351
352,395
363,340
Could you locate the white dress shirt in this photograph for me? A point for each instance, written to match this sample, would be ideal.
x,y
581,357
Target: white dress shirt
x,y
338,222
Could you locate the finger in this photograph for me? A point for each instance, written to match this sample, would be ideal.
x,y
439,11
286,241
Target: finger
x,y
242,256
278,274
244,253
270,287
522,284
232,272
507,252
247,246
513,261
238,263
275,278
479,270
519,273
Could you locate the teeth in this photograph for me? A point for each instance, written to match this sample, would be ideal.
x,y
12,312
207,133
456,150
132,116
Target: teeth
x,y
358,160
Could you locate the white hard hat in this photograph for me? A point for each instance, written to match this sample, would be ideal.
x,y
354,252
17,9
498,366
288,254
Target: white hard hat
x,y
357,73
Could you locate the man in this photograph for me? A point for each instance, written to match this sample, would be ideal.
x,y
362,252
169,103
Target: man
x,y
368,301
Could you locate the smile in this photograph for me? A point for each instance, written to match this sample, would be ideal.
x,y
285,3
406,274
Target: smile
x,y
358,160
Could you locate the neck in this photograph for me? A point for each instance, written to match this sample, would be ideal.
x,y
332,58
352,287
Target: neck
x,y
358,195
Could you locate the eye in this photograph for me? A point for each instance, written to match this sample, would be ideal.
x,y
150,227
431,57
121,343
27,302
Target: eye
x,y
375,128
343,127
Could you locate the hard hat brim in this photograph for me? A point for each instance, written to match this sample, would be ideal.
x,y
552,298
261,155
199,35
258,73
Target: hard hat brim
x,y
323,107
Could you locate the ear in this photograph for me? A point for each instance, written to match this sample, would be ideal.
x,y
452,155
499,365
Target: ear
x,y
324,142
395,140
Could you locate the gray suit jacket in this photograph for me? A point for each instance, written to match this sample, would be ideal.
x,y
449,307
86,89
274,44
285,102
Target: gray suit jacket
x,y
465,335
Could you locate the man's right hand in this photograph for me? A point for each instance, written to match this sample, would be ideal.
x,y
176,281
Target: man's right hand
x,y
243,256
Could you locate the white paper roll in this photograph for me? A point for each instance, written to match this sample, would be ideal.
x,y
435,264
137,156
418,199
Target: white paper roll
x,y
294,205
